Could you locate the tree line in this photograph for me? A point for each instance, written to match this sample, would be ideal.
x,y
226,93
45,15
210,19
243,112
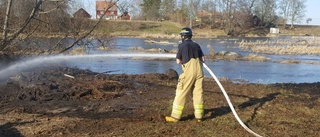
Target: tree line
x,y
21,19
226,14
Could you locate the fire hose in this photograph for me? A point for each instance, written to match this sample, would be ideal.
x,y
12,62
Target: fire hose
x,y
229,102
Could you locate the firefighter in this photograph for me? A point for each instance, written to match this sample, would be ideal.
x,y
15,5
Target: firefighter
x,y
191,57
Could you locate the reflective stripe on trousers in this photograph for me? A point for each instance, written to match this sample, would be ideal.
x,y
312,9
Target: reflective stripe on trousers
x,y
198,111
191,77
177,109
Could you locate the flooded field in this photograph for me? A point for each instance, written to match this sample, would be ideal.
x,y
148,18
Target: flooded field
x,y
280,68
126,93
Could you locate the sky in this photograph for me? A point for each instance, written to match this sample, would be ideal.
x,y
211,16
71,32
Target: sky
x,y
312,10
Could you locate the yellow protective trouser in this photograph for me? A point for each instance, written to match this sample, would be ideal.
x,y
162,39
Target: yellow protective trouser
x,y
191,77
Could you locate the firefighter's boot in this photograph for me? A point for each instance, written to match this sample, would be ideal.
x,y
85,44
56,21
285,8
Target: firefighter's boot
x,y
171,119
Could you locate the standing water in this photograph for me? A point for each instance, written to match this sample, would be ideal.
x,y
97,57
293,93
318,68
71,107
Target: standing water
x,y
126,62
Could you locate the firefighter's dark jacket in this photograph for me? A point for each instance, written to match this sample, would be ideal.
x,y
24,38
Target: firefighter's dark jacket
x,y
187,50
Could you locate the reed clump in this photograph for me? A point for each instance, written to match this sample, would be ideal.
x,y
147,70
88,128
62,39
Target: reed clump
x,y
309,45
254,57
152,50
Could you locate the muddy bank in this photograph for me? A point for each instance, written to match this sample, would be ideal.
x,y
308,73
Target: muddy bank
x,y
73,102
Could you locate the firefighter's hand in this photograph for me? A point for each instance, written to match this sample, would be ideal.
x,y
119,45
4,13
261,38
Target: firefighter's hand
x,y
179,61
203,59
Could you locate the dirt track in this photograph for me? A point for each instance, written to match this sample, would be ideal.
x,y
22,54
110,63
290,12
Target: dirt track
x,y
50,103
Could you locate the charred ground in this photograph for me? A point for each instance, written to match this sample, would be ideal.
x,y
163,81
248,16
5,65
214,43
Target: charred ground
x,y
74,102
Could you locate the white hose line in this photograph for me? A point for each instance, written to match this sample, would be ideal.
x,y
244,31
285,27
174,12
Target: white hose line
x,y
229,102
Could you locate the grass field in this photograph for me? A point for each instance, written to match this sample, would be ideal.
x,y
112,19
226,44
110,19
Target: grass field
x,y
169,29
138,28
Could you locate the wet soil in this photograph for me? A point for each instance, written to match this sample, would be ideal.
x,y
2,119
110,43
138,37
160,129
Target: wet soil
x,y
71,102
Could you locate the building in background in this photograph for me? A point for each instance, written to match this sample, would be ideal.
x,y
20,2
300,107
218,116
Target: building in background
x,y
81,13
108,8
125,16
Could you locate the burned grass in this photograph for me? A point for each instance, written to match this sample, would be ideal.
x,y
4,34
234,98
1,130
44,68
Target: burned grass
x,y
48,103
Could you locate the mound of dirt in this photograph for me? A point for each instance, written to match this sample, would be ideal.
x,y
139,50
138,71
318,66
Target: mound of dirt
x,y
74,102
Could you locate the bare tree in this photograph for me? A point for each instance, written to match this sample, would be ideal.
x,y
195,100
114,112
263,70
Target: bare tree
x,y
284,8
308,20
190,8
243,14
6,20
227,9
167,9
45,17
292,10
208,5
8,39
17,16
134,8
151,9
88,32
297,11
208,14
266,11
247,5
179,14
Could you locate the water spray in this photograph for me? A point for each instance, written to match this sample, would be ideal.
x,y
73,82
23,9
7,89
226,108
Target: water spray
x,y
40,60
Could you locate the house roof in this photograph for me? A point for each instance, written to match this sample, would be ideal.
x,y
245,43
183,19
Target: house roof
x,y
81,13
103,5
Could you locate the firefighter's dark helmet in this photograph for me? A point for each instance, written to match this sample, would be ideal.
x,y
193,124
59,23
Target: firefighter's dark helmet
x,y
186,32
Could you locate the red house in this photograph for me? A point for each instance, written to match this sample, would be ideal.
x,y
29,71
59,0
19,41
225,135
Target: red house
x,y
125,16
108,8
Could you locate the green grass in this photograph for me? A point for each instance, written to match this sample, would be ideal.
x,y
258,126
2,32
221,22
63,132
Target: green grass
x,y
140,28
137,28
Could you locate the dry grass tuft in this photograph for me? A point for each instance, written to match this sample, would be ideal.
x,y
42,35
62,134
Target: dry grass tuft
x,y
289,62
78,51
295,45
254,57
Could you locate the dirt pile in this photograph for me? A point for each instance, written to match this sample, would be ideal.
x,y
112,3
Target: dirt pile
x,y
73,102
